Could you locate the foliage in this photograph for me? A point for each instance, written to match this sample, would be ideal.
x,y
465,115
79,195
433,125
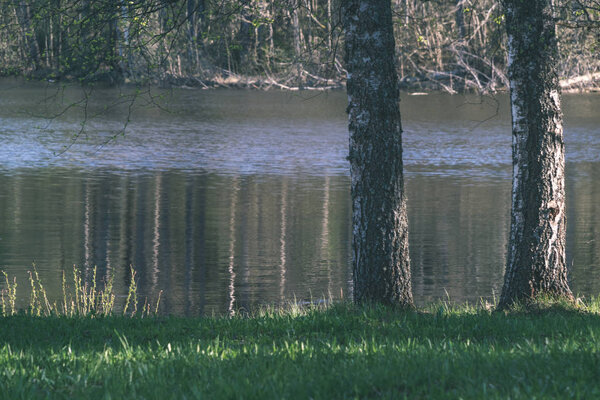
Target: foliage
x,y
114,41
443,44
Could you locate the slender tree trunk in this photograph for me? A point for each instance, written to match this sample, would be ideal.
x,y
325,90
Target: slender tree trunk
x,y
536,254
84,66
460,19
297,42
24,19
200,26
381,267
271,51
48,40
460,27
119,29
244,37
113,52
329,32
271,39
192,34
308,30
59,41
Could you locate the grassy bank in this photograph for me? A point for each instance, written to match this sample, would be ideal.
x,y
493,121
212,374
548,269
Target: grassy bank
x,y
338,352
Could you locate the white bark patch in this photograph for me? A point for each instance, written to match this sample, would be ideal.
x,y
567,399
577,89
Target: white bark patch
x,y
557,120
556,205
513,87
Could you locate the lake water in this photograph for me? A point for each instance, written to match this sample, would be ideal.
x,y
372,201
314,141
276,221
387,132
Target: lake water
x,y
231,199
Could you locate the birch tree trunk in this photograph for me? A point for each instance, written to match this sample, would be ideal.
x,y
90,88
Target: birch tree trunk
x,y
536,261
460,48
381,267
297,42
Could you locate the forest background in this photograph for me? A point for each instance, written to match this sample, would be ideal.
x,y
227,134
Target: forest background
x,y
451,45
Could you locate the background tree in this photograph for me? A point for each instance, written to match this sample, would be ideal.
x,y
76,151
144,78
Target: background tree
x,y
452,45
536,261
381,266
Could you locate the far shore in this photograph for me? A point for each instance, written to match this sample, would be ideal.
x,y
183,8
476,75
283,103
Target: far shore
x,y
430,83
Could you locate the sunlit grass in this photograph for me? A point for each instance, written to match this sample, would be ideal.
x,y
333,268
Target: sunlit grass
x,y
548,350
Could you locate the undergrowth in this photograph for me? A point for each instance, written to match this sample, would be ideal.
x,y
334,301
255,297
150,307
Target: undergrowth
x,y
81,347
83,298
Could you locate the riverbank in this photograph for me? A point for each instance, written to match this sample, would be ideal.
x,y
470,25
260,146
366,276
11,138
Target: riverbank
x,y
432,82
343,351
448,82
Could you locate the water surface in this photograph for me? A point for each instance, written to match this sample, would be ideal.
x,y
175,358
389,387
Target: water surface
x,y
230,199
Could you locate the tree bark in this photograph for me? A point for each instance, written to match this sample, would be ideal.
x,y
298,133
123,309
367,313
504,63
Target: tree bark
x,y
244,36
536,262
461,45
329,32
381,266
460,19
29,38
297,42
192,34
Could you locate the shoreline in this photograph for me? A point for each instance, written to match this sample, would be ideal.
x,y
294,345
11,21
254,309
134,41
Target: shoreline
x,y
588,83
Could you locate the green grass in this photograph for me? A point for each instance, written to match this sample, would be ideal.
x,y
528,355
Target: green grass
x,y
342,351
83,298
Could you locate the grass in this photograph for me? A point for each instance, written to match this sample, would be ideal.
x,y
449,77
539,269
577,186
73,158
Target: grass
x,y
548,350
83,298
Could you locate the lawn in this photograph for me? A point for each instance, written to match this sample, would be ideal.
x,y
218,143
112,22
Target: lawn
x,y
340,351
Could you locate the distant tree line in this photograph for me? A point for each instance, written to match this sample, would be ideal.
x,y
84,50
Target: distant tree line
x,y
462,44
452,45
185,41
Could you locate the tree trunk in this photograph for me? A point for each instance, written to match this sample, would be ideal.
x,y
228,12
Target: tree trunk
x,y
460,47
536,261
329,32
244,36
29,38
381,266
119,48
297,42
460,19
192,35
